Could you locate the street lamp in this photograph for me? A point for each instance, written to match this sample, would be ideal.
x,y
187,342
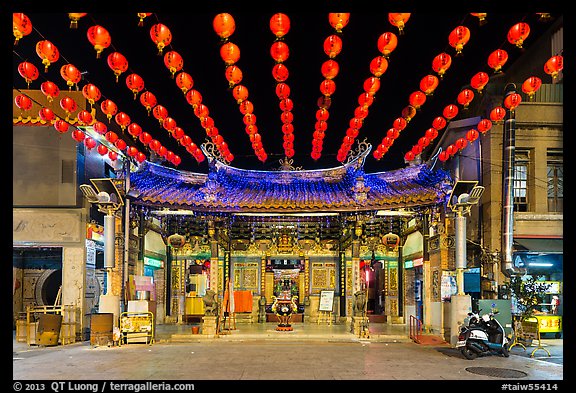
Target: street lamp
x,y
104,194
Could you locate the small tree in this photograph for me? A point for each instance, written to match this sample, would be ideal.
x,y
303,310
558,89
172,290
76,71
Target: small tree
x,y
527,292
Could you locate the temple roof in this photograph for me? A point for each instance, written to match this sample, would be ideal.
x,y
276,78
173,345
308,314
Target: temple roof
x,y
344,188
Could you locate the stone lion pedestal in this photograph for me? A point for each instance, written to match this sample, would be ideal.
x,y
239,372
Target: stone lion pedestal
x,y
360,326
209,325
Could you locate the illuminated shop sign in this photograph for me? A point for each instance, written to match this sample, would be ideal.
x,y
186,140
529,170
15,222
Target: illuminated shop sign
x,y
157,263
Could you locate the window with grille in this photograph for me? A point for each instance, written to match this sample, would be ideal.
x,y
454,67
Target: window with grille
x,y
521,173
555,181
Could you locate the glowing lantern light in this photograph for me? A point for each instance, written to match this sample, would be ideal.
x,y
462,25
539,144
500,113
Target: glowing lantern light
x,y
287,104
399,20
416,150
160,113
109,108
50,90
479,81
497,59
338,20
184,81
102,150
91,92
279,51
458,38
122,119
99,38
387,42
194,97
472,135
518,34
68,104
140,157
417,99
23,102
392,133
201,111
100,127
409,156
230,53
146,138
279,25
135,83
365,99
531,85
441,63
439,122
279,72
361,112
431,133
169,124
173,61
451,149
428,84
21,26
112,155
84,117
117,63
512,101
497,114
378,66
371,85
332,45
74,18
78,135
119,143
112,137
553,66
161,36
46,114
89,142
70,74
234,75
408,113
327,87
450,111
481,17
246,107
134,129
48,52
399,124
224,25
330,69
484,125
423,142
28,71
465,97
61,126
141,16
240,93
148,100
132,151
282,91
443,156
461,143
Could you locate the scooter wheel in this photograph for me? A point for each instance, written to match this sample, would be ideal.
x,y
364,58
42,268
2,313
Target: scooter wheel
x,y
506,350
468,353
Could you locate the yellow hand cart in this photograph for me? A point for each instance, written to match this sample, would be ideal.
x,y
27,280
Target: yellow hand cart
x,y
136,327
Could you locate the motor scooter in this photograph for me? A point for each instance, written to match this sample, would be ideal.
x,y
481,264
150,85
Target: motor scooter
x,y
482,336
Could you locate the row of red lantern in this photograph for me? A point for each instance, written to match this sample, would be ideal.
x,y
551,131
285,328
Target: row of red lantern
x,y
279,50
224,26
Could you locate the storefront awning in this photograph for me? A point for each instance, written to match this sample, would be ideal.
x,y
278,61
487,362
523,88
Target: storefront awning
x,y
539,245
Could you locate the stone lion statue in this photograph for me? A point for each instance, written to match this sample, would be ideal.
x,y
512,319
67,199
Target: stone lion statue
x,y
210,303
359,302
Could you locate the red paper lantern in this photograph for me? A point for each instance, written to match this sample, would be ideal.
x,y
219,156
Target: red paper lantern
x,y
450,111
399,20
28,71
23,102
282,91
91,92
154,145
240,93
90,143
61,126
78,135
479,81
48,52
21,26
169,124
285,105
201,111
177,134
481,17
148,100
399,124
70,74
443,156
74,18
408,113
184,81
117,63
428,84
47,114
84,118
194,97
173,61
472,135
461,143
112,137
497,114
330,69
371,85
102,150
431,133
230,53
135,83
338,20
224,25
423,142
518,34
378,66
416,150
531,85
160,113
327,87
279,51
409,156
68,104
441,63
365,99
112,155
512,101
99,38
392,133
465,97
100,127
417,99
387,42
132,151
484,125
324,102
439,123
279,72
553,66
497,59
451,149
134,129
458,38
332,45
161,36
361,112
50,90
140,157
122,119
279,24
146,138
109,108
120,144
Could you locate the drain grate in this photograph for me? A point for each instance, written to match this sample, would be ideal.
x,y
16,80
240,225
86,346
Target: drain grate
x,y
496,372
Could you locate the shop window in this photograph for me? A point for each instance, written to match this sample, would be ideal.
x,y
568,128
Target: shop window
x,y
521,177
555,181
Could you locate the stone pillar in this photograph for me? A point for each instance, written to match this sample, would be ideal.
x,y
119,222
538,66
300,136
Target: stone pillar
x,y
73,285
